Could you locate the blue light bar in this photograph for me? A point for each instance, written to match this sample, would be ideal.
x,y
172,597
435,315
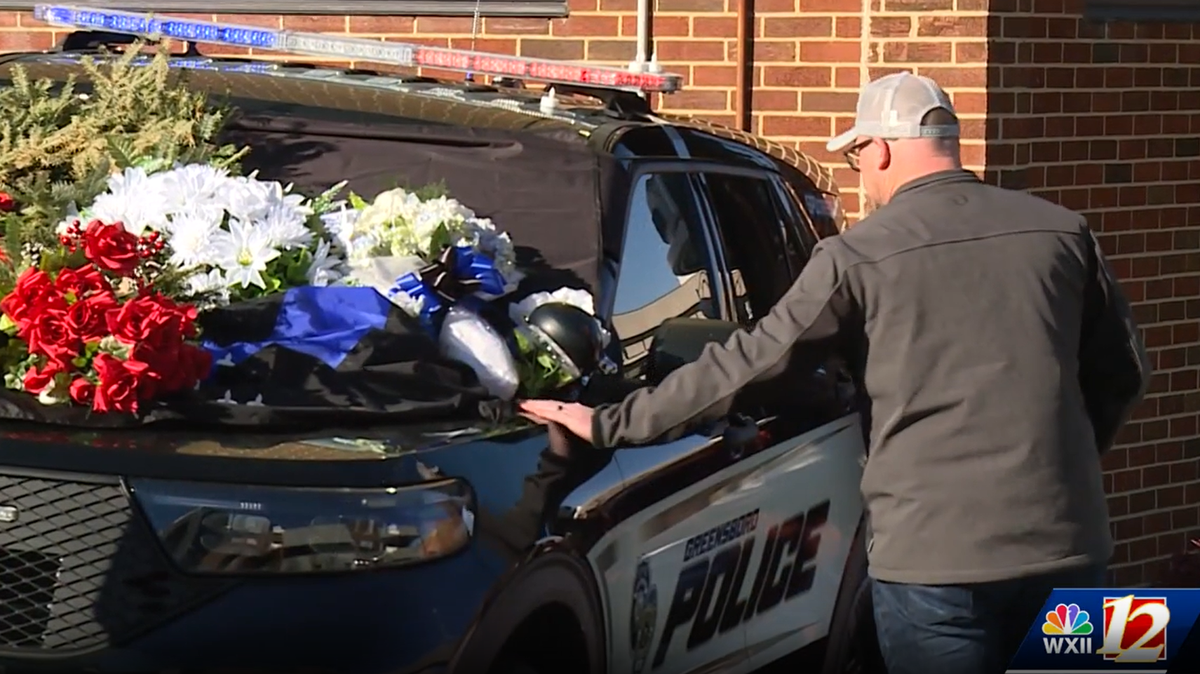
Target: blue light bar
x,y
356,49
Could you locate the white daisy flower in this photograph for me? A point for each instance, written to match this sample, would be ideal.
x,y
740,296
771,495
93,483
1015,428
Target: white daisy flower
x,y
243,252
325,269
285,227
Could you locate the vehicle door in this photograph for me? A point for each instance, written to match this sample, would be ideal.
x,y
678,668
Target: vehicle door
x,y
810,505
678,540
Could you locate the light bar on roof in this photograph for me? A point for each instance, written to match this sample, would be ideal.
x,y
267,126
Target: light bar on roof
x,y
154,27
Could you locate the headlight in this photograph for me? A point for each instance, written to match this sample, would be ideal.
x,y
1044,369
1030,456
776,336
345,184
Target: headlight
x,y
220,528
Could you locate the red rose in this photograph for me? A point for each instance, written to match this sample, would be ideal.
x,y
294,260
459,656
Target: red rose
x,y
7,203
37,379
33,293
82,391
111,248
87,320
117,390
197,362
82,282
135,320
153,320
49,335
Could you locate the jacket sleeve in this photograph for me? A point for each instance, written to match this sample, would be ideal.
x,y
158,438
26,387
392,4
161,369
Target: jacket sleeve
x,y
1114,370
813,310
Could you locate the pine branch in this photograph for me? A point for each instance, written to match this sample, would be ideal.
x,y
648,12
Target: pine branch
x,y
60,140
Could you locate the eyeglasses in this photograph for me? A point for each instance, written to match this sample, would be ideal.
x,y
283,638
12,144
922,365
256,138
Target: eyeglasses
x,y
852,154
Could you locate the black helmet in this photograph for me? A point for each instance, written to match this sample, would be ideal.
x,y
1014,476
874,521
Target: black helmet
x,y
572,335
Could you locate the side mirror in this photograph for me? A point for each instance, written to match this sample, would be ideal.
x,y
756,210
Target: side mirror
x,y
679,341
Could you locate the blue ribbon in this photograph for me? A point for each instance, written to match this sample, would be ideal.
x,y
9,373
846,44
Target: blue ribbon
x,y
459,271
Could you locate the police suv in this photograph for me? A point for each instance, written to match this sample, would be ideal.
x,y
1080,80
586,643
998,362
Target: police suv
x,y
732,549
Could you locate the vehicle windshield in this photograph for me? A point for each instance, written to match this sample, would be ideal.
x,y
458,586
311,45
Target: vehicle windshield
x,y
304,231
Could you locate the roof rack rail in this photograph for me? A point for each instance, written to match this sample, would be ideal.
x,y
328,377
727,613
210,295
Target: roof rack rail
x,y
357,49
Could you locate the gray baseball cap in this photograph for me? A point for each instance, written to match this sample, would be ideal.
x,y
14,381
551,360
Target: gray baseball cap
x,y
892,106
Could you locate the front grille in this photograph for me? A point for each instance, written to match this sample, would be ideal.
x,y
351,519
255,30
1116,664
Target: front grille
x,y
79,570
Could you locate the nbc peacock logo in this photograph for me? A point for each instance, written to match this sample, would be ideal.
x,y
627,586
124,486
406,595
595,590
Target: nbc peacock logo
x,y
1067,629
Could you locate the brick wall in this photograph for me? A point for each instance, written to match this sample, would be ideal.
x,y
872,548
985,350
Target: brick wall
x,y
1106,120
1103,120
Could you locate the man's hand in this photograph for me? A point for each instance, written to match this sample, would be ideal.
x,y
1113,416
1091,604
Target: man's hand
x,y
573,416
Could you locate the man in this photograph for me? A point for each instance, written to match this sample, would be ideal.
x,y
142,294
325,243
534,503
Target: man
x,y
997,358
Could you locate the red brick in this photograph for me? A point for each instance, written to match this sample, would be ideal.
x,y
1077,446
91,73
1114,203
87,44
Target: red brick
x,y
951,26
579,26
917,5
714,76
848,27
690,50
315,24
510,25
917,52
775,100
830,52
719,27
382,24
891,26
664,26
440,25
611,50
831,101
797,76
26,41
794,125
804,26
847,78
550,48
697,99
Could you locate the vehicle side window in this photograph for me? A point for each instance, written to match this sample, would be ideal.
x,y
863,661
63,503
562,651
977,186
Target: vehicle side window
x,y
666,265
762,256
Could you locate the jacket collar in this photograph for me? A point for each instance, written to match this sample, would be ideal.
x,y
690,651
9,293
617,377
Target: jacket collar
x,y
938,178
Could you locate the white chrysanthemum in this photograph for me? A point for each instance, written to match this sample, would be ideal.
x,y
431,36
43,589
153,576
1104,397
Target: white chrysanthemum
x,y
339,223
134,181
439,212
325,268
136,212
190,235
193,185
246,199
285,226
212,283
243,251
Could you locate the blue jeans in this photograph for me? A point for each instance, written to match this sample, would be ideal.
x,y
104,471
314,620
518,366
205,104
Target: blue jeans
x,y
964,629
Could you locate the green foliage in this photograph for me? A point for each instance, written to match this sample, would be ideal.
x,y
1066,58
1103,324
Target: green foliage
x,y
537,370
59,143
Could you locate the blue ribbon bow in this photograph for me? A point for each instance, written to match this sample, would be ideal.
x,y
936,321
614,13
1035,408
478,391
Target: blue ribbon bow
x,y
457,272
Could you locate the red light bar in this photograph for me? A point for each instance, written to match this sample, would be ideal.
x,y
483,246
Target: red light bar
x,y
545,70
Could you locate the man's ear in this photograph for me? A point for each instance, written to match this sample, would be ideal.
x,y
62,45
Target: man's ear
x,y
885,154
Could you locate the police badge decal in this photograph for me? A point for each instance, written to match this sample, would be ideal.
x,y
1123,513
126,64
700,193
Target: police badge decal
x,y
643,616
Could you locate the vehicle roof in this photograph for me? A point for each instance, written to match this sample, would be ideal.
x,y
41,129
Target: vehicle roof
x,y
454,102
361,90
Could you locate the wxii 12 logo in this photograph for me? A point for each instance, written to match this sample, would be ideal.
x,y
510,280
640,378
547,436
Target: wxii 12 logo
x,y
1134,630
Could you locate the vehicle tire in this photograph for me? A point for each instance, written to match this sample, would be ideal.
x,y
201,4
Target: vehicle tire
x,y
853,647
497,644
